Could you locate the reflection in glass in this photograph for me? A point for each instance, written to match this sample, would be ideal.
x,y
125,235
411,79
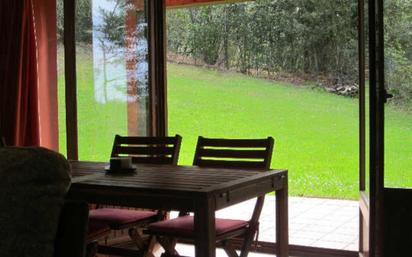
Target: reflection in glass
x,y
119,52
112,73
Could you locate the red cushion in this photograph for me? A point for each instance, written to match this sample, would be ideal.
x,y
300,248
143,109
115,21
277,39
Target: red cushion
x,y
184,226
117,217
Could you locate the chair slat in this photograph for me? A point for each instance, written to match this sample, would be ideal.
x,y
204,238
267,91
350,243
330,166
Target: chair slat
x,y
152,160
220,142
146,140
153,150
143,150
229,164
228,153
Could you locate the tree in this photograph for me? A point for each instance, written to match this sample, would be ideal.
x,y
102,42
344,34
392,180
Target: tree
x,y
83,21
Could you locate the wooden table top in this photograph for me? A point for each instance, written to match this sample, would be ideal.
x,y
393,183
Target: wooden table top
x,y
170,187
168,177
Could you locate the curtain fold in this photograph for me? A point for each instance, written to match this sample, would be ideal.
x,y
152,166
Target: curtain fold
x,y
46,42
25,94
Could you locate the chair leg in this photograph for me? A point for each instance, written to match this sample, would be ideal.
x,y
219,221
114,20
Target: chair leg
x,y
169,245
229,249
137,238
152,247
247,243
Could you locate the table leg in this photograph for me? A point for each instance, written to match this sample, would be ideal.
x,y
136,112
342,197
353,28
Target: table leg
x,y
205,242
282,220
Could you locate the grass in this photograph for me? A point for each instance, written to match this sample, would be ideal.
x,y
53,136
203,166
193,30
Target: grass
x,y
316,132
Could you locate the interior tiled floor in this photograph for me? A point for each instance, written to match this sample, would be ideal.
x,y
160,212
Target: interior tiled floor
x,y
325,223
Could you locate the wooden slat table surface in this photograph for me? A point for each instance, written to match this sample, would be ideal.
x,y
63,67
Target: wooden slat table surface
x,y
189,188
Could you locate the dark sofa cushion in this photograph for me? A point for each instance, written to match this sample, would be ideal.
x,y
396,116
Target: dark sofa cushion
x,y
33,184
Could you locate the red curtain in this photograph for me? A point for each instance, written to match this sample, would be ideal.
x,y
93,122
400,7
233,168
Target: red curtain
x,y
46,35
22,86
19,111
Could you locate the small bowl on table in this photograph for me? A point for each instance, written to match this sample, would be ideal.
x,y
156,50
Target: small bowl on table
x,y
120,165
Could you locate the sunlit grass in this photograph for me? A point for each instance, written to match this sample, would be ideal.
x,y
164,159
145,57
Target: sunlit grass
x,y
316,133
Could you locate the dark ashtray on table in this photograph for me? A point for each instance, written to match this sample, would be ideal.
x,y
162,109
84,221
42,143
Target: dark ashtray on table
x,y
130,170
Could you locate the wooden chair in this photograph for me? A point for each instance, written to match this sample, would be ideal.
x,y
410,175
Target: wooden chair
x,y
143,150
248,154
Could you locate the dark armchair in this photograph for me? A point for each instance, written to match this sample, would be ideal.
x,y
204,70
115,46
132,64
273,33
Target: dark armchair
x,y
72,230
35,219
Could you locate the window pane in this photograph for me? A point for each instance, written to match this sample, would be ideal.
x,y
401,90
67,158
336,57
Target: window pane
x,y
112,73
288,69
282,68
398,75
60,78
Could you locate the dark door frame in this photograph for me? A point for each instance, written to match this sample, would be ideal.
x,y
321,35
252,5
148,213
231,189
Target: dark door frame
x,y
371,202
376,109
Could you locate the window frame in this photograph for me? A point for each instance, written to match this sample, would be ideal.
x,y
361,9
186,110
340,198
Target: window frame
x,y
157,67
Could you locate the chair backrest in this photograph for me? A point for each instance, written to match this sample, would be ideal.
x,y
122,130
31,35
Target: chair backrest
x,y
151,150
247,154
234,153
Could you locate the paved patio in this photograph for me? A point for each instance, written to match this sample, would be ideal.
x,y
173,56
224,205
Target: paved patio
x,y
325,223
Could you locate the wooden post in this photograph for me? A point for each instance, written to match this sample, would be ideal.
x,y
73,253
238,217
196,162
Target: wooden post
x,y
157,53
70,79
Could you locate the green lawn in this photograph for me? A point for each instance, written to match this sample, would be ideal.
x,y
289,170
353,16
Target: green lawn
x,y
316,133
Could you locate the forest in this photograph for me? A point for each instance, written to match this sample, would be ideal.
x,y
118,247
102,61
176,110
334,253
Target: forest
x,y
301,40
304,39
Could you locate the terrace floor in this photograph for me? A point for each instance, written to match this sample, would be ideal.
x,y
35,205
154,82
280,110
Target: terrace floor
x,y
316,222
325,223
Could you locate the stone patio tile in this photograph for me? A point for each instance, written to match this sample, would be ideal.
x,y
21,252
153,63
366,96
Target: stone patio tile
x,y
353,246
302,241
330,244
314,235
322,228
319,222
337,237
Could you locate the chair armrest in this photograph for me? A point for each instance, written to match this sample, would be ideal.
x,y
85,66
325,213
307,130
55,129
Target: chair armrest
x,y
72,230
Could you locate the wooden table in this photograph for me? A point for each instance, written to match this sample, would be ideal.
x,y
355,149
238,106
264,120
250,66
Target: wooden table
x,y
199,190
